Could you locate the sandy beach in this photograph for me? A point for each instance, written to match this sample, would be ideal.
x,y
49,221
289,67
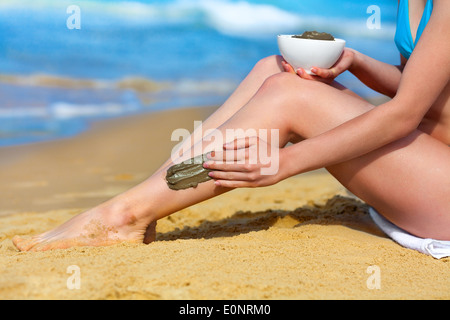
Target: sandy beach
x,y
304,238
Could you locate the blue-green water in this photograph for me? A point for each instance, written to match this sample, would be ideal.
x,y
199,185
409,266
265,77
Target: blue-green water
x,y
199,50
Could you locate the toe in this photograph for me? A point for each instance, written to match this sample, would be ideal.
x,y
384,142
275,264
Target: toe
x,y
23,243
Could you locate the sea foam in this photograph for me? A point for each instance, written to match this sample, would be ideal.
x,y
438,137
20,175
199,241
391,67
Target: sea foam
x,y
233,18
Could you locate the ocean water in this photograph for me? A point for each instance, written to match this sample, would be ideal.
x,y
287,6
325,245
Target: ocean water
x,y
137,56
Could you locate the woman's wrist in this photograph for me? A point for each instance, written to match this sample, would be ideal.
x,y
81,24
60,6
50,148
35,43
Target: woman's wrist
x,y
356,60
288,163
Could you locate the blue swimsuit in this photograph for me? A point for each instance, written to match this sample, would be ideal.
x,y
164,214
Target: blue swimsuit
x,y
403,35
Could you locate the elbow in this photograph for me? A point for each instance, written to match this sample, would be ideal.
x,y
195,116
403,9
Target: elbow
x,y
405,122
406,128
405,125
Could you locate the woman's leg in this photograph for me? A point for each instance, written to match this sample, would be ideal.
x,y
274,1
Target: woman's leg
x,y
407,181
296,108
265,68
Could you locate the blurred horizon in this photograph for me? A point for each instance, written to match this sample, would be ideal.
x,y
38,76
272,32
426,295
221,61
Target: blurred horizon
x,y
139,56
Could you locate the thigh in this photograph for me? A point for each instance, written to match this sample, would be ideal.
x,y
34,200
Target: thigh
x,y
298,107
407,181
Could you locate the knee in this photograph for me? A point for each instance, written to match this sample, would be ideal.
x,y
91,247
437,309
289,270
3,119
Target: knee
x,y
276,80
269,65
282,79
288,91
284,84
287,83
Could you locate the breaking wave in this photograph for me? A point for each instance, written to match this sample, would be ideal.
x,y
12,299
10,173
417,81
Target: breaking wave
x,y
233,18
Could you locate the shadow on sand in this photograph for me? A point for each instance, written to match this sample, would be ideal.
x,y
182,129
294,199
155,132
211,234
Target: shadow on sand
x,y
338,211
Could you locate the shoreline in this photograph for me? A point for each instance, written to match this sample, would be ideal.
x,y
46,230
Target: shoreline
x,y
303,238
90,159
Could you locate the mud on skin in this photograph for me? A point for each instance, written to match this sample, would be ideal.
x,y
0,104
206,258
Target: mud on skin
x,y
187,174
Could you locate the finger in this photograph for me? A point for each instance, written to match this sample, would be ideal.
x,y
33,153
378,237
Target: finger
x,y
234,184
227,156
241,143
303,74
223,166
231,176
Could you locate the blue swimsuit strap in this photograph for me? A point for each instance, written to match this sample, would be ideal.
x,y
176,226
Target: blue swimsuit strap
x,y
403,35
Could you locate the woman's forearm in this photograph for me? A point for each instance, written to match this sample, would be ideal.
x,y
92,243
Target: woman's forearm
x,y
379,76
363,134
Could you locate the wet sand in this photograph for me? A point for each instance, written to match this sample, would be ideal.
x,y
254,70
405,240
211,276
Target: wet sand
x,y
304,238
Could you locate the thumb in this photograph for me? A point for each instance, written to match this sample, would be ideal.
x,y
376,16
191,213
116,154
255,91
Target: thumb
x,y
325,73
287,67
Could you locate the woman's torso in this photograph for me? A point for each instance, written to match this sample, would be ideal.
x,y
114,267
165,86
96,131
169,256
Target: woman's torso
x,y
417,13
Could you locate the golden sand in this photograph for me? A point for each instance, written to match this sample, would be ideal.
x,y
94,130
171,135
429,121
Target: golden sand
x,y
303,238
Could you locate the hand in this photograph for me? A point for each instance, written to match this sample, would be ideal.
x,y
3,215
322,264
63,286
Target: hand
x,y
343,64
242,164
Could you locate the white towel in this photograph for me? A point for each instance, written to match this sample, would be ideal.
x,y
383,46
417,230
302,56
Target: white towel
x,y
436,248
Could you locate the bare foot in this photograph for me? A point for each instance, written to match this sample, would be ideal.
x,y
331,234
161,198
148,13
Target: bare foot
x,y
100,226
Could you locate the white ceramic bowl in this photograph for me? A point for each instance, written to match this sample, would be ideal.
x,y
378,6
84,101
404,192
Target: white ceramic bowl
x,y
308,53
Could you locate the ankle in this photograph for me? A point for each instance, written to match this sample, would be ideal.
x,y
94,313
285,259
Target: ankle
x,y
122,213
